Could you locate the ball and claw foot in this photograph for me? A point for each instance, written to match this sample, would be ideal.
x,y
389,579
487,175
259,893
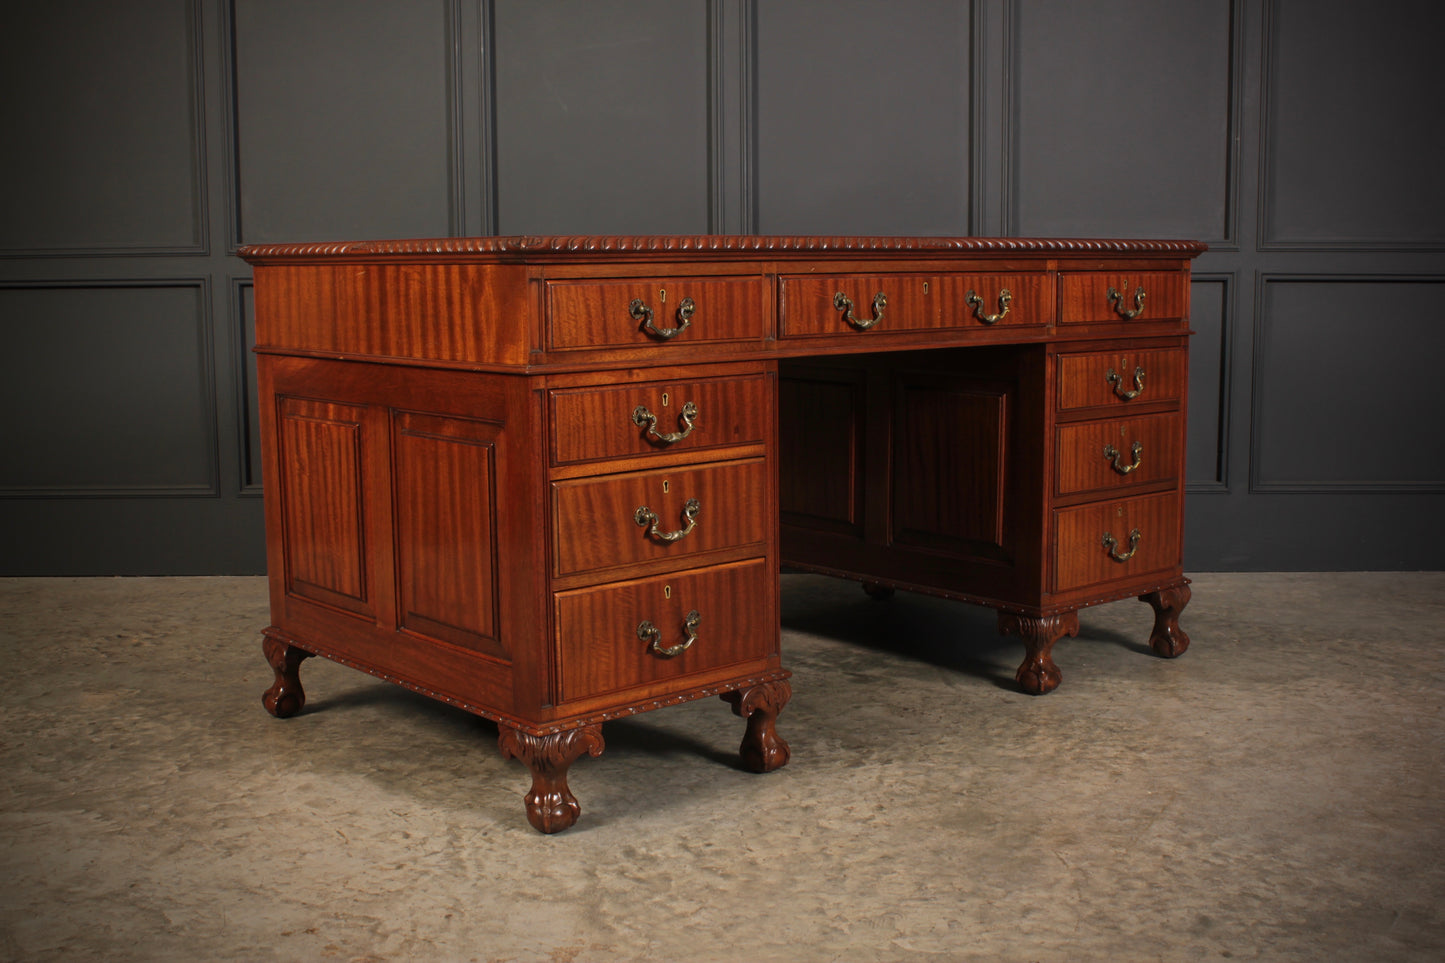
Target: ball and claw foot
x,y
762,749
1168,639
1038,674
551,807
285,698
878,591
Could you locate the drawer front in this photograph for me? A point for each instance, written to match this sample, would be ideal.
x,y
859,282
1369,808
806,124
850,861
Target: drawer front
x,y
811,305
1116,539
1114,378
589,424
644,516
913,302
1117,454
1099,296
603,635
602,313
970,300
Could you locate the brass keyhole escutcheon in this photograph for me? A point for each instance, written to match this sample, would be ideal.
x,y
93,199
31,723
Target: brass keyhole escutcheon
x,y
667,591
664,399
666,486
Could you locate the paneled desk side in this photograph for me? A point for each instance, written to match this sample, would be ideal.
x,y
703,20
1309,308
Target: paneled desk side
x,y
552,480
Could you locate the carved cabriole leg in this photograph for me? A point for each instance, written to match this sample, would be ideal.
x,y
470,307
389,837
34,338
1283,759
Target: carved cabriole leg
x,y
1038,674
285,697
551,807
762,750
1168,639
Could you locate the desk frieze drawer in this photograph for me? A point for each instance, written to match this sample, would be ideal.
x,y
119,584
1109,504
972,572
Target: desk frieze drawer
x,y
824,305
627,634
639,311
1104,541
1124,377
1118,453
615,520
591,424
1100,296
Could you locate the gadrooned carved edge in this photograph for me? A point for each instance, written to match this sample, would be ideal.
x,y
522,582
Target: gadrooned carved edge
x,y
592,719
763,244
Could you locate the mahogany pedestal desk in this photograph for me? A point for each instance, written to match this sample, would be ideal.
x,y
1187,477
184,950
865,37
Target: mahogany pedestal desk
x,y
552,480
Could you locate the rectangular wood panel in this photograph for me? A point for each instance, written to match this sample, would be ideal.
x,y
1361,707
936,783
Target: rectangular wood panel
x,y
596,519
1104,378
597,628
811,305
1082,556
587,314
1100,296
820,448
439,312
320,468
589,424
445,492
1120,453
948,471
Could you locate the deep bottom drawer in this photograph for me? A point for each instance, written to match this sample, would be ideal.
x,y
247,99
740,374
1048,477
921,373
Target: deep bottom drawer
x,y
627,634
1116,539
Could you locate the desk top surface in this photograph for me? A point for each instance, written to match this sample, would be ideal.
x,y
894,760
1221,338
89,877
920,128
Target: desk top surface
x,y
671,246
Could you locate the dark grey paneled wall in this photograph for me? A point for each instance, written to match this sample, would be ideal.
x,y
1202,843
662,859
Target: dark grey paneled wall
x,y
144,140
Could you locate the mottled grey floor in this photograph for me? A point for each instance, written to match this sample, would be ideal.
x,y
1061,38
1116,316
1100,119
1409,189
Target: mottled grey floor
x,y
1274,794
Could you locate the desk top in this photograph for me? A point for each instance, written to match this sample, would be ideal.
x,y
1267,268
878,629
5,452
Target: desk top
x,y
672,246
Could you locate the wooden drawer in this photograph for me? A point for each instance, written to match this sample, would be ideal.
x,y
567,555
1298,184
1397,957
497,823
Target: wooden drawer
x,y
589,424
601,313
1113,378
596,520
604,645
913,302
1088,297
1117,454
1083,557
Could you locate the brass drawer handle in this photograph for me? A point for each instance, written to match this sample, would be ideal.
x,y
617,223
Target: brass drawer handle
x,y
1116,300
643,418
648,519
648,632
1116,383
1004,297
641,312
1112,544
1112,455
844,303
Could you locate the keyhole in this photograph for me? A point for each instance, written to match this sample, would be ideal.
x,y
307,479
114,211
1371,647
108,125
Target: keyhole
x,y
662,295
664,399
925,287
665,486
1119,512
667,591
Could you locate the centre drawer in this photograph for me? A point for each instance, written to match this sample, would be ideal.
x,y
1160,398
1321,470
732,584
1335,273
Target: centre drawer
x,y
627,634
598,313
591,424
616,520
913,302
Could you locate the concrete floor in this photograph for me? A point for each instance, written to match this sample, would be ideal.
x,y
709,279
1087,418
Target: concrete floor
x,y
1274,794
